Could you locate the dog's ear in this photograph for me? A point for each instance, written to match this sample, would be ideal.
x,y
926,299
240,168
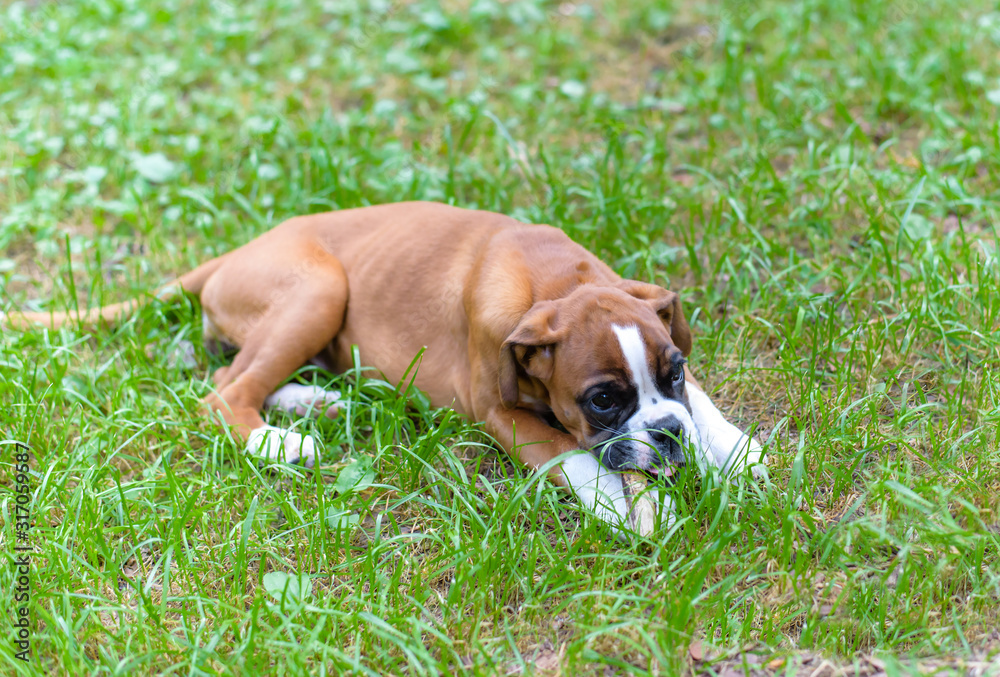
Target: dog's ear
x,y
530,349
667,305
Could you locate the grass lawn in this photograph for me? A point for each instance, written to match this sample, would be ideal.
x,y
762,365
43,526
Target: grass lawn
x,y
819,180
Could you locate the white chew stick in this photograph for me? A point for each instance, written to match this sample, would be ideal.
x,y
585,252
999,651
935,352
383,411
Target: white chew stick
x,y
642,511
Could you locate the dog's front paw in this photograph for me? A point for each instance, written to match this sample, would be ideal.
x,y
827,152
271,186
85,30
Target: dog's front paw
x,y
748,454
618,499
595,487
759,470
278,444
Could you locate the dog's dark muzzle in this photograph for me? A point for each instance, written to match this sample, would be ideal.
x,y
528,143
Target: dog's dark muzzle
x,y
667,436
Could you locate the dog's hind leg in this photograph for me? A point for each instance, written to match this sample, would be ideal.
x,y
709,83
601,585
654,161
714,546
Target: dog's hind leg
x,y
281,308
304,400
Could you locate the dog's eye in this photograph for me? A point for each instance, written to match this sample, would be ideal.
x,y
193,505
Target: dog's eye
x,y
678,375
602,401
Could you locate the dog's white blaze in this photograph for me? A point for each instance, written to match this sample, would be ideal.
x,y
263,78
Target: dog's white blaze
x,y
653,405
635,357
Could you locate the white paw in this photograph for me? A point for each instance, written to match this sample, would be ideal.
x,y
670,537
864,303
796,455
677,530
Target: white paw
x,y
303,400
721,443
602,491
278,444
758,463
747,453
596,488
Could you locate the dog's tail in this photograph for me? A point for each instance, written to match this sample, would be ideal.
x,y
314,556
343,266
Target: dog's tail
x,y
190,283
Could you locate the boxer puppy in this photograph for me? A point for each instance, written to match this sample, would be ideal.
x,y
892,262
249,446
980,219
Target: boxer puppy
x,y
568,365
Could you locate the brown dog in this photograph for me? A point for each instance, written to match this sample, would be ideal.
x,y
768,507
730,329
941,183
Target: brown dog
x,y
522,328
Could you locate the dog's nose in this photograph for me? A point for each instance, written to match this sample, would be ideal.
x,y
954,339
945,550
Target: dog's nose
x,y
665,431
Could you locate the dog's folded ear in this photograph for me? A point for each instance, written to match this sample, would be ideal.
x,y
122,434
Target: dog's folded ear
x,y
529,350
667,305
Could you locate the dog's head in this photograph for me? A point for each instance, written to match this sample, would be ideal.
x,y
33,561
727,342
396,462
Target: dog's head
x,y
609,361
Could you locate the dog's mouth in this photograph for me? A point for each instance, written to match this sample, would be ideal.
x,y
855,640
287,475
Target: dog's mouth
x,y
664,472
653,473
617,456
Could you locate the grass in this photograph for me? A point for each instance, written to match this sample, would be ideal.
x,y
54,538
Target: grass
x,y
819,180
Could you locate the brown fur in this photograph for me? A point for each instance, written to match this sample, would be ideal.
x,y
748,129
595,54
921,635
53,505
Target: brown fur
x,y
515,318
